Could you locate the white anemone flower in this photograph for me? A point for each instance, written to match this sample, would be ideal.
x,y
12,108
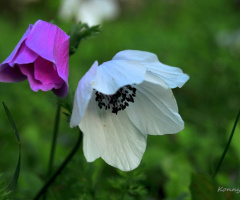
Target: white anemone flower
x,y
118,103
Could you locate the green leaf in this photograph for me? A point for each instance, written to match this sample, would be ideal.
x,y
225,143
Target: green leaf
x,y
203,187
13,184
79,32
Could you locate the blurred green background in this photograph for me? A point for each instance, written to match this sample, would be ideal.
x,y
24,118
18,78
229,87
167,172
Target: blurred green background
x,y
201,37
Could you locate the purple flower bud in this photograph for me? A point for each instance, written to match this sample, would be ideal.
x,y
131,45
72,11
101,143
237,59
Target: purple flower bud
x,y
41,56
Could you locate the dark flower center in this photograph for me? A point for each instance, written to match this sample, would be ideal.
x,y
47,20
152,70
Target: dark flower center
x,y
118,101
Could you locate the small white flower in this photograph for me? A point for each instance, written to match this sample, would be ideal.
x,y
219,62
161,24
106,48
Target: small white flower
x,y
92,12
120,102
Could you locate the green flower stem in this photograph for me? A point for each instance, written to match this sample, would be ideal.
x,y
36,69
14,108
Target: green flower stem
x,y
53,146
63,165
226,148
54,139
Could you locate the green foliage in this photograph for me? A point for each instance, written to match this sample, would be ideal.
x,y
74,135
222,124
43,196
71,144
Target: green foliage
x,y
4,193
75,183
204,187
79,32
129,185
182,33
92,181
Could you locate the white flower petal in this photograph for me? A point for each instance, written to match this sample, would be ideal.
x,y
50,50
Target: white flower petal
x,y
173,76
92,128
142,56
125,144
83,95
155,110
115,74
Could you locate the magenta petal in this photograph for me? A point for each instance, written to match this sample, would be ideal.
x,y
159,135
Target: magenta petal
x,y
10,74
35,84
62,57
15,51
41,56
9,71
24,56
44,38
44,71
61,92
28,71
53,45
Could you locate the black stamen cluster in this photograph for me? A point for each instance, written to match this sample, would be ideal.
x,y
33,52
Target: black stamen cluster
x,y
118,101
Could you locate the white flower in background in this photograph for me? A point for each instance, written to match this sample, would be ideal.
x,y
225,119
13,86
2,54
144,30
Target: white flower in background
x,y
92,12
229,39
120,102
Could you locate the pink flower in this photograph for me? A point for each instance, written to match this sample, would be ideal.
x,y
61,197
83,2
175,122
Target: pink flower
x,y
41,56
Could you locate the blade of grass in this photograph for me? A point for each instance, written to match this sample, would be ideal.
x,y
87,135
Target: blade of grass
x,y
227,147
13,184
